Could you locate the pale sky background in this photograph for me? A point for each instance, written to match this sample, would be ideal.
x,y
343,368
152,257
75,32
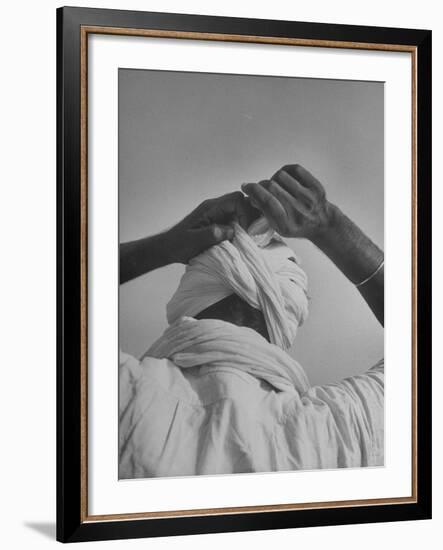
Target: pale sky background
x,y
186,137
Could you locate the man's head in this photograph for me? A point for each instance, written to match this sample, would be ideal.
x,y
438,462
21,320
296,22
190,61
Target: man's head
x,y
255,277
235,310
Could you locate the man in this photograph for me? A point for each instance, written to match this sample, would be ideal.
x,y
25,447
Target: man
x,y
217,393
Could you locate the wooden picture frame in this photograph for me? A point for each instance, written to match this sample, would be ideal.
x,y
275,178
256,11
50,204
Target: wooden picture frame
x,y
74,25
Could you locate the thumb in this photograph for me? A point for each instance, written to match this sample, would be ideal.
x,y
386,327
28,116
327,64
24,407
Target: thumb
x,y
211,235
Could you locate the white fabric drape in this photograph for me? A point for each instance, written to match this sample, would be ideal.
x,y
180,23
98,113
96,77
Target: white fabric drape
x,y
217,398
257,267
211,397
219,346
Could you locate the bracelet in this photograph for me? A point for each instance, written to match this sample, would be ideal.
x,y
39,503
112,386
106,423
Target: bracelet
x,y
373,274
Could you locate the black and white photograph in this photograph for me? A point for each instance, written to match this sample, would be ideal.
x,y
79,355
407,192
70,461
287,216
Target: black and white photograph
x,y
251,264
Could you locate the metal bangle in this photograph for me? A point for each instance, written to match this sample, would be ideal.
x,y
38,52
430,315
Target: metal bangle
x,y
373,274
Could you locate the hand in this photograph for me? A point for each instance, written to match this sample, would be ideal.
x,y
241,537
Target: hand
x,y
293,201
207,226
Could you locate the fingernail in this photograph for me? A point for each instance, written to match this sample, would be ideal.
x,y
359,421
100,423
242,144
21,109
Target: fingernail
x,y
244,186
218,233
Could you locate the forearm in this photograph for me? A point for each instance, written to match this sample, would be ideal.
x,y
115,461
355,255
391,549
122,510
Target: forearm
x,y
202,228
356,256
141,256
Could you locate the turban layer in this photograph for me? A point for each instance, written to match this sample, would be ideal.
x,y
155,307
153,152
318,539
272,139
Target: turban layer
x,y
257,266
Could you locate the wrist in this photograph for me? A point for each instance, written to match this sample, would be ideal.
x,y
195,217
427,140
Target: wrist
x,y
348,247
165,246
329,232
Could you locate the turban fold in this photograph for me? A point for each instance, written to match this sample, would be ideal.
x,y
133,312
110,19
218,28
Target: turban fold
x,y
257,266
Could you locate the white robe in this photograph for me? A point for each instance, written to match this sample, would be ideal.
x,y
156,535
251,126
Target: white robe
x,y
200,404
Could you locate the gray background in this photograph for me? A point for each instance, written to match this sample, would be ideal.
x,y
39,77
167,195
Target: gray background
x,y
185,137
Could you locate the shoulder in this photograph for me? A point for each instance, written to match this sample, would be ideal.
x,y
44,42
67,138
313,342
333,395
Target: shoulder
x,y
131,368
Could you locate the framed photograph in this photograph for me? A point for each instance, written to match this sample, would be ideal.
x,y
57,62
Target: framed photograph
x,y
235,352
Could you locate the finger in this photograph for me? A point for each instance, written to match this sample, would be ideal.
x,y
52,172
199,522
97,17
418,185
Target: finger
x,y
251,199
211,210
289,202
209,236
293,187
304,177
266,202
224,209
251,212
236,207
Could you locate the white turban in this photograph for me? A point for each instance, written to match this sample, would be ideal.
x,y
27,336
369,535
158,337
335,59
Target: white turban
x,y
257,266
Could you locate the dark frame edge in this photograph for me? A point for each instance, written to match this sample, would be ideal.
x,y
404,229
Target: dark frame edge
x,y
239,25
424,273
68,518
167,527
59,248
